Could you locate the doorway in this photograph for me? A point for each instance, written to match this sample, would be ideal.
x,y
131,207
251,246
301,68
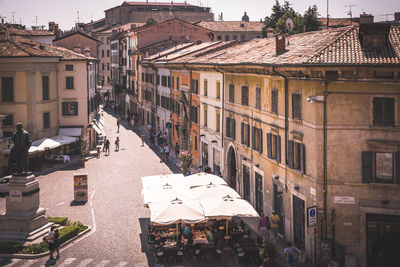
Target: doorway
x,y
278,207
246,183
232,168
298,221
259,193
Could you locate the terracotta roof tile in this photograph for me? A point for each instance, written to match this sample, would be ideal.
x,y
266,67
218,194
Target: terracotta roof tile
x,y
232,26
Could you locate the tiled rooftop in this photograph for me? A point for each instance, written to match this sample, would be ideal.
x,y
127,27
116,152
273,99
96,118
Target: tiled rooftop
x,y
331,46
232,26
157,4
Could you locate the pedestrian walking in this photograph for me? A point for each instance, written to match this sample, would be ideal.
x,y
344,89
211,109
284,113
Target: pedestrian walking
x,y
177,150
118,123
117,144
152,139
289,253
132,123
50,241
142,136
57,242
166,150
262,226
302,256
98,151
162,151
149,127
104,144
275,224
165,137
107,145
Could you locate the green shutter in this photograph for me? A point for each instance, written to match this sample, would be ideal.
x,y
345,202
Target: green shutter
x,y
269,145
228,134
397,167
303,158
242,133
248,135
64,108
367,166
290,158
76,108
261,141
253,137
278,148
233,129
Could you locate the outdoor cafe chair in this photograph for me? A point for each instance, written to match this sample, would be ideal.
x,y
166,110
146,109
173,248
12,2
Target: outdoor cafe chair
x,y
180,257
160,258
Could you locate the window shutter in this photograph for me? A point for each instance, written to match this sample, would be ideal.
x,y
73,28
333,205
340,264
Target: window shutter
x,y
253,137
242,133
76,108
278,148
303,158
290,159
261,141
233,129
388,112
269,145
228,134
64,108
397,167
367,166
248,135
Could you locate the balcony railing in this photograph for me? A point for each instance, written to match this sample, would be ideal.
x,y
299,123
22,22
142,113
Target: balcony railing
x,y
384,179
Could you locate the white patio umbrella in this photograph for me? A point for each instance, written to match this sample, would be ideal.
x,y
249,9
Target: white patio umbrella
x,y
213,191
227,207
176,211
165,193
203,178
161,180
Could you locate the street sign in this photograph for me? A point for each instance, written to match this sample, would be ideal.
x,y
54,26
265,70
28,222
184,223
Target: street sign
x,y
312,216
80,187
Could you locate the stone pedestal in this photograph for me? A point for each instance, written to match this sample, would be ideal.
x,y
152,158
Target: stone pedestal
x,y
23,217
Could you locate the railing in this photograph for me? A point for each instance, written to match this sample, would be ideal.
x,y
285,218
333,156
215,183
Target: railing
x,y
385,179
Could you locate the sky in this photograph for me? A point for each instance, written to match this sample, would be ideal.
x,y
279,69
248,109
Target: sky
x,y
65,12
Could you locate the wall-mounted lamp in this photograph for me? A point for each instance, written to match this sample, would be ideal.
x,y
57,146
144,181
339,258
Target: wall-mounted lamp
x,y
276,177
296,187
214,141
202,135
258,165
315,98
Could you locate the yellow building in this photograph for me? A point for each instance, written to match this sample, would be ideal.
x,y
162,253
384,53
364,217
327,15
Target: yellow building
x,y
311,120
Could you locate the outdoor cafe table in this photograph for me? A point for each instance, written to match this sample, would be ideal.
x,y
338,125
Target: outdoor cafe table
x,y
200,240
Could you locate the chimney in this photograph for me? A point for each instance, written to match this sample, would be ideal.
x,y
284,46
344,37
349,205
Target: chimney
x,y
397,16
280,44
4,34
87,51
366,18
374,35
51,26
77,49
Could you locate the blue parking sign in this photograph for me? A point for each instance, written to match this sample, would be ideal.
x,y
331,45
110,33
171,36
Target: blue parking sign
x,y
312,216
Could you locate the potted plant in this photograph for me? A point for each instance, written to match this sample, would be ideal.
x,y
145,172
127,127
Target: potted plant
x,y
267,254
186,161
82,148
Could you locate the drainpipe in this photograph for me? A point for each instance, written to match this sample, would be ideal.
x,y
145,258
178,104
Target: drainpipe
x,y
223,111
325,131
286,118
190,105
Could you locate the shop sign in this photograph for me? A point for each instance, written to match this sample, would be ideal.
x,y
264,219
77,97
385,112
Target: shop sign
x,y
344,200
80,187
312,216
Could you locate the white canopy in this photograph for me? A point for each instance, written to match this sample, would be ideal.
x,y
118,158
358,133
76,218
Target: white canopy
x,y
203,178
176,211
227,207
161,180
165,193
47,143
212,191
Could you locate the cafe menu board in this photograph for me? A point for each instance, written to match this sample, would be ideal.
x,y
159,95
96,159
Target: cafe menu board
x,y
80,187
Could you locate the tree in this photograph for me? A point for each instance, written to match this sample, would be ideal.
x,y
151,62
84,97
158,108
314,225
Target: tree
x,y
270,22
311,22
297,21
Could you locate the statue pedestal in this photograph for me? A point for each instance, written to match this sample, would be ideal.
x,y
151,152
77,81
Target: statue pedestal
x,y
23,217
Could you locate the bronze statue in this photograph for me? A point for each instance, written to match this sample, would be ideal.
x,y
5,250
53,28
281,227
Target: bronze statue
x,y
20,144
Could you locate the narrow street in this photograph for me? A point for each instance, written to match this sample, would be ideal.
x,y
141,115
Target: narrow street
x,y
114,211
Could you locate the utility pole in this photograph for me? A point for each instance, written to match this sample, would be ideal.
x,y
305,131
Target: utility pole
x,y
350,12
327,14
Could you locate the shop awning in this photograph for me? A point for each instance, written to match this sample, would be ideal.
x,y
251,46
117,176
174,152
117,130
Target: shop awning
x,y
97,129
47,144
70,131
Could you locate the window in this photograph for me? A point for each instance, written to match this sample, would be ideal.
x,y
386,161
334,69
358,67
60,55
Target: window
x,y
45,88
258,97
69,82
274,101
380,167
195,86
257,139
234,37
205,115
195,142
296,106
7,89
296,156
219,37
383,111
218,90
193,114
69,67
108,52
102,53
216,161
9,120
274,146
164,81
232,93
245,95
230,128
70,108
205,87
245,134
217,121
173,82
177,83
108,66
46,120
226,37
103,66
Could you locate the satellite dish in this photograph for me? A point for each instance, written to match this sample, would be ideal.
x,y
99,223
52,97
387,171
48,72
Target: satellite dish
x,y
289,24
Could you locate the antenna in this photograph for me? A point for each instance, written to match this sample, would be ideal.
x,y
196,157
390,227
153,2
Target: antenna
x,y
350,13
386,15
36,21
327,14
78,16
13,20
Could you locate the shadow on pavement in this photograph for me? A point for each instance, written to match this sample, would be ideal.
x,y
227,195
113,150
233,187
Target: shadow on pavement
x,y
144,233
77,203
